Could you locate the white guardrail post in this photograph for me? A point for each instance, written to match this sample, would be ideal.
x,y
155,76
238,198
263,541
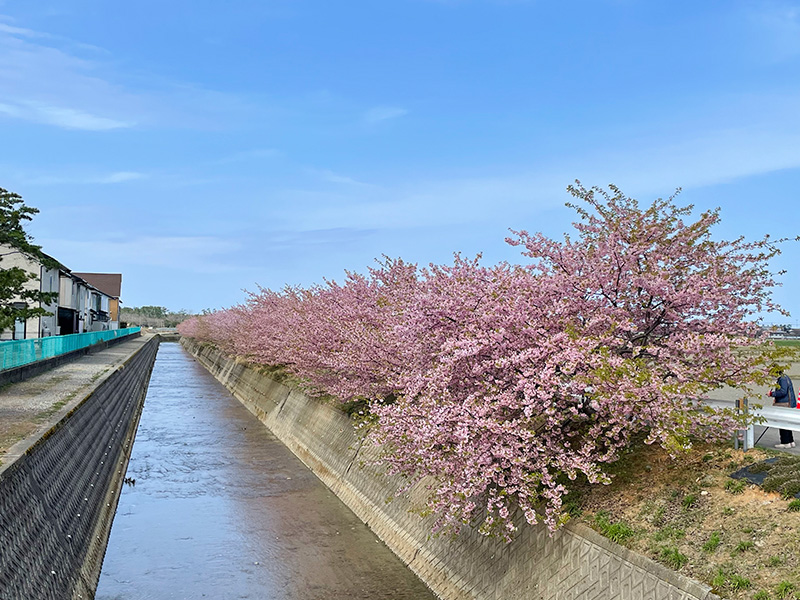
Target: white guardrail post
x,y
743,408
779,417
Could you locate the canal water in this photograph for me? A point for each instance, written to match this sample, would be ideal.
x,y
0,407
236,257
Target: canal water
x,y
221,509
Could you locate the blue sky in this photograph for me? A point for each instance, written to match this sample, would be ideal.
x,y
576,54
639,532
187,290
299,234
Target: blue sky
x,y
201,148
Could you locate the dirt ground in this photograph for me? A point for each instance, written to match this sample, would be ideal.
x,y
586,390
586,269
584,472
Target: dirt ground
x,y
687,513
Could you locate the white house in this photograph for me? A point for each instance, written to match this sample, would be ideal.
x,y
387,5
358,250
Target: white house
x,y
45,280
81,305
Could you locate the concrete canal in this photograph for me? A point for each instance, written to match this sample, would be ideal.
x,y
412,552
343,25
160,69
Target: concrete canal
x,y
221,509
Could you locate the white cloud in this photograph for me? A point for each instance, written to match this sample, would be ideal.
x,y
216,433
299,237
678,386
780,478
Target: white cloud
x,y
197,254
44,83
705,158
422,203
66,118
247,155
384,113
88,179
55,81
331,177
689,156
121,176
775,28
20,31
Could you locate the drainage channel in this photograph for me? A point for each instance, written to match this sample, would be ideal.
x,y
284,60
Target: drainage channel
x,y
216,507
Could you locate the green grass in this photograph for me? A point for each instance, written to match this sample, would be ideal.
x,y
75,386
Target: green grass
x,y
782,476
669,532
743,547
733,582
658,515
788,343
794,505
97,376
689,500
617,532
762,595
775,561
719,580
784,590
737,582
673,558
713,543
735,486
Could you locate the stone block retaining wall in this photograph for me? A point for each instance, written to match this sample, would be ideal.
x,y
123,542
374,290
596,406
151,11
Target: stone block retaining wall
x,y
576,563
57,500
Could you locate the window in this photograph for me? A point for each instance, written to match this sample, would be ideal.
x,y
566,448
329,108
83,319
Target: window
x,y
19,329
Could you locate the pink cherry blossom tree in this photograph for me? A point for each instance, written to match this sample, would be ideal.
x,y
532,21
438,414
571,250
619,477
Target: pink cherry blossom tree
x,y
502,383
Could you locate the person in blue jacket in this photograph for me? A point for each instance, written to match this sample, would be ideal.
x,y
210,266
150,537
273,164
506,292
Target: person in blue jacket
x,y
783,395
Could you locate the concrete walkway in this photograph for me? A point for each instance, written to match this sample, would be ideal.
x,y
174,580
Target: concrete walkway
x,y
30,408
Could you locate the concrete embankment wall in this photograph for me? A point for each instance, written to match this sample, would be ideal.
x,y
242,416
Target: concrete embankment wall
x,y
575,563
57,500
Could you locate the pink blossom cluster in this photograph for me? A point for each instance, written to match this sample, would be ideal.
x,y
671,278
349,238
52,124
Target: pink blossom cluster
x,y
500,384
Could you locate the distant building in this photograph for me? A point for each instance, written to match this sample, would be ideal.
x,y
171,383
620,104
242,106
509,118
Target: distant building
x,y
81,305
777,332
105,297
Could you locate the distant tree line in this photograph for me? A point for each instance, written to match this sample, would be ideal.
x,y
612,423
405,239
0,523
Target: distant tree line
x,y
153,316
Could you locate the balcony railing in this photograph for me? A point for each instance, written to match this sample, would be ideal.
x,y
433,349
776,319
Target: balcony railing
x,y
100,315
15,353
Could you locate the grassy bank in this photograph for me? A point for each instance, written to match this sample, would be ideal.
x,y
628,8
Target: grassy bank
x,y
691,516
788,343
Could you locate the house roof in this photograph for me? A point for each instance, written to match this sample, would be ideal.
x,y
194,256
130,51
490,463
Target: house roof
x,y
108,283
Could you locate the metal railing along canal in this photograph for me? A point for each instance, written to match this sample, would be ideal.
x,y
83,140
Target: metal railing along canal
x,y
15,353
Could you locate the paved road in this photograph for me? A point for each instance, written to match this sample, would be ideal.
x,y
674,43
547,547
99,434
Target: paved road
x,y
222,509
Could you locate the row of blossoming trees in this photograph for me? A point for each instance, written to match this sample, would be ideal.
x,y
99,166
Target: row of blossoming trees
x,y
504,382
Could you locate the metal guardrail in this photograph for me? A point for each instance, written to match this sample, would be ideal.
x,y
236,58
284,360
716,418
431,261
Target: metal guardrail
x,y
15,353
781,417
